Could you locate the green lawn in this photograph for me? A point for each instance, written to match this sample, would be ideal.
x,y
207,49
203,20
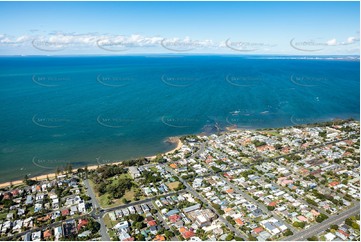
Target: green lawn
x,y
3,216
153,169
104,200
109,223
273,132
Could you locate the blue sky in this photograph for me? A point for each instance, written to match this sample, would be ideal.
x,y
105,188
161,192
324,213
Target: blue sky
x,y
289,28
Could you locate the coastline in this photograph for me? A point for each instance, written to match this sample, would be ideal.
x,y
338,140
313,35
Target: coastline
x,y
92,167
175,139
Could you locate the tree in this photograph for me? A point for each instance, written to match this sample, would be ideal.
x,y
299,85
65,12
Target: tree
x,y
94,226
136,217
320,218
139,237
288,232
86,172
216,169
270,208
310,201
299,224
238,238
355,226
229,237
69,168
251,238
313,238
57,172
26,178
169,234
139,225
118,190
218,208
334,226
101,188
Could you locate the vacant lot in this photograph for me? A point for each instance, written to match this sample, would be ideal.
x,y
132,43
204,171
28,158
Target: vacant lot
x,y
173,185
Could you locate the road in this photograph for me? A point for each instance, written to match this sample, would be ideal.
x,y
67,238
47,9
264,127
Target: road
x,y
315,229
194,193
299,198
103,230
261,206
91,194
146,200
302,235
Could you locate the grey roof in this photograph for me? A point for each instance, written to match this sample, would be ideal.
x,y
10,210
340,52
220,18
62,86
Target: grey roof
x,y
172,212
192,208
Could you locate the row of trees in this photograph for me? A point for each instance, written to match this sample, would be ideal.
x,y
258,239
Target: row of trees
x,y
105,172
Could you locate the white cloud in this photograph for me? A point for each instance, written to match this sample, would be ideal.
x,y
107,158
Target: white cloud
x,y
351,40
10,40
112,42
332,42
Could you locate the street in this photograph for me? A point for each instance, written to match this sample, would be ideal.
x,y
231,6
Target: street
x,y
315,229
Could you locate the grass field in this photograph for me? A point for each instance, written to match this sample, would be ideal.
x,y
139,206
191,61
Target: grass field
x,y
3,216
109,223
173,185
273,132
105,201
152,168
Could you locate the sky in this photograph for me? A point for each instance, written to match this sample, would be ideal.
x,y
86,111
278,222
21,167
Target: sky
x,y
121,28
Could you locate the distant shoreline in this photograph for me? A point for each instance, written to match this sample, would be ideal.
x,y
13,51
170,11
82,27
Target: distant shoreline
x,y
92,167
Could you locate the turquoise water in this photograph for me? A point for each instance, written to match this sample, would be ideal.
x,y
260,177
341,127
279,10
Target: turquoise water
x,y
85,110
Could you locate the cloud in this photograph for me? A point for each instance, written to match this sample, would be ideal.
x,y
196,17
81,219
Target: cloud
x,y
129,41
56,41
351,40
332,42
13,41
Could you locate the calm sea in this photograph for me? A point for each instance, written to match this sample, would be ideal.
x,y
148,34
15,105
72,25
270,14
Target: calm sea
x,y
89,110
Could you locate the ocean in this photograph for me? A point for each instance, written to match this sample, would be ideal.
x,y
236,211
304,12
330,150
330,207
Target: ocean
x,y
101,109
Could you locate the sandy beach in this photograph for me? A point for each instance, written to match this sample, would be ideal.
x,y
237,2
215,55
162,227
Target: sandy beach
x,y
93,167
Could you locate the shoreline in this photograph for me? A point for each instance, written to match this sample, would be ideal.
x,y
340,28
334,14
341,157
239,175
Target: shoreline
x,y
175,139
92,167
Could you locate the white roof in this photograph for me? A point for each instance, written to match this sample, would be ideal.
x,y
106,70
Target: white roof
x,y
330,236
202,219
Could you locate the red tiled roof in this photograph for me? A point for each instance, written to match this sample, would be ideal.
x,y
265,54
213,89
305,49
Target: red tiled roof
x,y
82,223
188,234
128,239
302,218
272,204
258,230
65,212
174,218
229,191
15,192
334,183
47,233
343,232
239,221
152,223
159,237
